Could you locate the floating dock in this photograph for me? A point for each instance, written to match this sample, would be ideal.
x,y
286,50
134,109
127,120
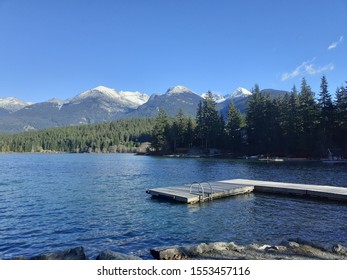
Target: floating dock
x,y
204,191
199,192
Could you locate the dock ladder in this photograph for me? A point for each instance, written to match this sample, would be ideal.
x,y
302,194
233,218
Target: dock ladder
x,y
201,190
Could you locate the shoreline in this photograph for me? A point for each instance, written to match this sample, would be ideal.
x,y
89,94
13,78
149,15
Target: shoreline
x,y
188,156
200,155
294,249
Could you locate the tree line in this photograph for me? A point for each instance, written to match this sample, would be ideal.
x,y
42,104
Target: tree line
x,y
117,136
295,125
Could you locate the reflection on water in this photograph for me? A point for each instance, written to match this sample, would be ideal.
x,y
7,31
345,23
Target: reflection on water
x,y
54,202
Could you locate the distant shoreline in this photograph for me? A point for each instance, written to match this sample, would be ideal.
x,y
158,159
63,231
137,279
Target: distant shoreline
x,y
220,156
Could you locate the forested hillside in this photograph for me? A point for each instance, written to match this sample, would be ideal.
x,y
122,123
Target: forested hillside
x,y
116,136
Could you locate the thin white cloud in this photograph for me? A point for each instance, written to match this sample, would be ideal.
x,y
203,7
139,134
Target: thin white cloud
x,y
335,44
313,71
307,67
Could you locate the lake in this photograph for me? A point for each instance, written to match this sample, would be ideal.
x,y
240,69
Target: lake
x,y
52,202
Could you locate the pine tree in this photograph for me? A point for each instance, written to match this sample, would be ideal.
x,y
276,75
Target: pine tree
x,y
287,110
233,128
208,122
160,131
255,121
326,122
293,123
308,117
189,134
181,123
200,129
340,127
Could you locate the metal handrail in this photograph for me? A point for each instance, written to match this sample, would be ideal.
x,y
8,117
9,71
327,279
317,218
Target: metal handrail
x,y
202,190
199,187
201,197
205,182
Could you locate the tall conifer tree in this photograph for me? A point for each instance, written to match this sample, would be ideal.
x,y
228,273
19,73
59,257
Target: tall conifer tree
x,y
326,111
233,127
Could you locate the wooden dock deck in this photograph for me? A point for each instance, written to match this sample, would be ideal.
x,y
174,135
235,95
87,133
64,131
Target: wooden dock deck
x,y
199,192
307,190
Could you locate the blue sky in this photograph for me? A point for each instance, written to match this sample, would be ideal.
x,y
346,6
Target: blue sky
x,y
59,48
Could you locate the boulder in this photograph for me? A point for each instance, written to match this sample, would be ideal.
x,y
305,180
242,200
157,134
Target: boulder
x,y
110,255
292,249
339,249
171,253
70,254
180,253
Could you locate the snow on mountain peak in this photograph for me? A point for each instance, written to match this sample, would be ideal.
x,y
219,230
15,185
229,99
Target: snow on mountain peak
x,y
124,98
103,88
136,97
95,92
13,104
177,90
240,92
218,98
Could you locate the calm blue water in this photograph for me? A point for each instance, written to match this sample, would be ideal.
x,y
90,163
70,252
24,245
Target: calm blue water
x,y
58,201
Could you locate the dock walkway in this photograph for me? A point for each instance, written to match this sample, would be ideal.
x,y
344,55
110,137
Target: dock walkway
x,y
199,192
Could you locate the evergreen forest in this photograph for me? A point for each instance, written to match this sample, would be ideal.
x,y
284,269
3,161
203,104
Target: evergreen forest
x,y
297,124
118,136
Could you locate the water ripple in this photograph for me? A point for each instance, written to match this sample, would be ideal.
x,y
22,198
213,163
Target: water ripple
x,y
53,202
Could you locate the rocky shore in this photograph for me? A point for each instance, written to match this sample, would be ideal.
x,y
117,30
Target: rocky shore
x,y
288,250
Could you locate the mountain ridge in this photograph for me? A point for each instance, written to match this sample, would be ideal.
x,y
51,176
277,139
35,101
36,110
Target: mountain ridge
x,y
102,104
12,104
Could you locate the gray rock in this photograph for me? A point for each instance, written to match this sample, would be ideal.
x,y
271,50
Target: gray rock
x,y
227,251
301,242
110,255
233,247
70,254
180,253
171,253
290,244
339,249
271,249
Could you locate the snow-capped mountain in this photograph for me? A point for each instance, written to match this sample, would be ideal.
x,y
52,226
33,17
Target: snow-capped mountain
x,y
218,98
174,99
105,104
12,104
92,106
240,93
123,98
176,90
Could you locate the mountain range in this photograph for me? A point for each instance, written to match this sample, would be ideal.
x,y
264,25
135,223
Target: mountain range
x,y
102,104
